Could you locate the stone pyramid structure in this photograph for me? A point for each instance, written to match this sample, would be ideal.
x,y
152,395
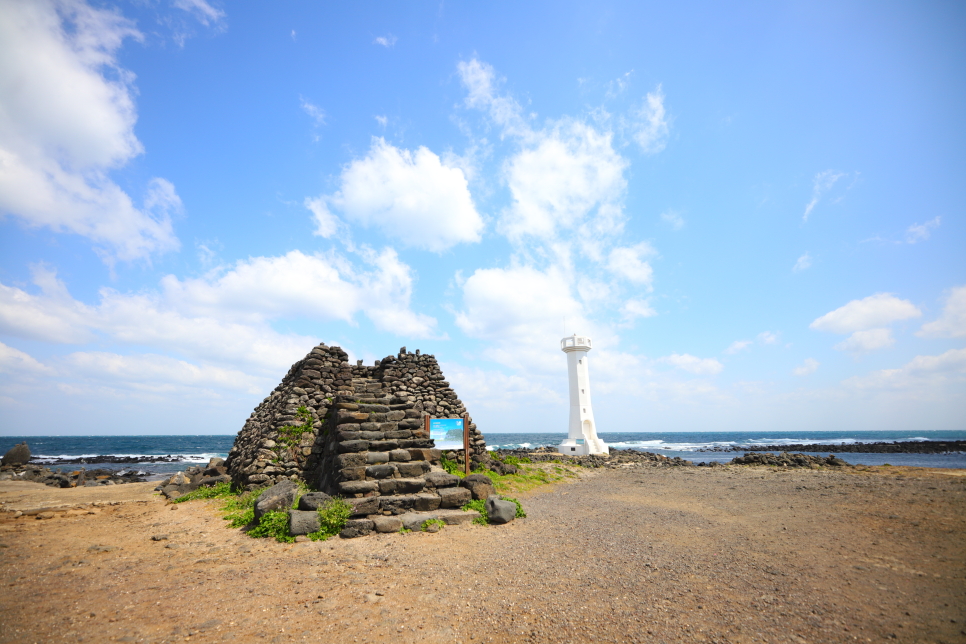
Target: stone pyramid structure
x,y
356,431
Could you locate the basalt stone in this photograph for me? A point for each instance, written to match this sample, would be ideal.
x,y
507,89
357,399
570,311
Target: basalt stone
x,y
347,406
372,436
311,501
383,446
369,427
426,502
348,427
377,457
387,487
442,479
412,469
278,497
302,522
399,433
399,455
409,486
431,455
353,446
365,505
387,524
342,416
210,481
374,408
380,471
349,436
356,528
454,497
500,511
396,504
480,485
395,415
16,455
353,473
358,487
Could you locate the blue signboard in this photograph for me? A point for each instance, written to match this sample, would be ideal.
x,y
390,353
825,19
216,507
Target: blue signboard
x,y
446,429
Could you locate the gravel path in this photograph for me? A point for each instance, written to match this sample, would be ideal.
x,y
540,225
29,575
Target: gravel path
x,y
650,555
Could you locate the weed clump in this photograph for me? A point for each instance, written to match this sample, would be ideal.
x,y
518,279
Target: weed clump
x,y
333,515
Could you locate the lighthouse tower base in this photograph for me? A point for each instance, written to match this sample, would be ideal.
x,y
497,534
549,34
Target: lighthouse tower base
x,y
583,447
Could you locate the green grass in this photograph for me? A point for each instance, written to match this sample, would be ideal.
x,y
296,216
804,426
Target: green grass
x,y
431,522
333,515
480,506
273,524
217,491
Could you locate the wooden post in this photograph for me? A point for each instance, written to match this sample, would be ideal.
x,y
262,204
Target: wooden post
x,y
426,425
466,445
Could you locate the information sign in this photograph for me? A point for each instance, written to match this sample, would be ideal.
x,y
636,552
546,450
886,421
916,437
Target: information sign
x,y
446,429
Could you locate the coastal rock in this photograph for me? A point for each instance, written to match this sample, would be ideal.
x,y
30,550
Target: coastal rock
x,y
356,528
302,522
479,485
454,497
278,497
311,501
387,524
500,511
16,455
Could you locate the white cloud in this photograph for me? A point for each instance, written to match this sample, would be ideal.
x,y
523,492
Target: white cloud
x,y
411,196
737,345
627,263
807,367
767,337
570,175
521,313
873,311
805,261
920,232
386,41
865,341
326,224
225,317
922,372
480,81
64,125
316,113
821,184
17,362
202,11
952,322
154,372
649,125
693,364
674,219
635,308
381,120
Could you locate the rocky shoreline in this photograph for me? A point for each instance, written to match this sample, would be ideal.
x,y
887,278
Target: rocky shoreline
x,y
895,447
625,458
118,460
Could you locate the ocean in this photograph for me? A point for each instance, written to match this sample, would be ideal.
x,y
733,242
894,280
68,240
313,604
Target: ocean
x,y
693,446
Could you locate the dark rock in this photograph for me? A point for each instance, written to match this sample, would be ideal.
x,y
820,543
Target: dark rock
x,y
278,497
311,501
302,522
442,479
365,505
387,524
454,497
16,455
480,485
396,504
380,471
377,457
500,511
356,528
426,502
358,487
413,468
210,481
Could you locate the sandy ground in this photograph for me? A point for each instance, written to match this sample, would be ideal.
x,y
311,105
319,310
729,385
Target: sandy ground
x,y
650,555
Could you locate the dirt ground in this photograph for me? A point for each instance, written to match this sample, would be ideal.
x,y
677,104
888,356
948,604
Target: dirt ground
x,y
639,555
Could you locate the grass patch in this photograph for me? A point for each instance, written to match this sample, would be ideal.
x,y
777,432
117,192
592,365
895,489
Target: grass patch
x,y
217,491
273,524
333,515
431,522
480,506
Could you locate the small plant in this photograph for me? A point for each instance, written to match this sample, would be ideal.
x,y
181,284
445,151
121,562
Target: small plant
x,y
513,460
404,530
451,467
520,513
217,491
239,510
291,435
480,506
333,515
273,524
431,522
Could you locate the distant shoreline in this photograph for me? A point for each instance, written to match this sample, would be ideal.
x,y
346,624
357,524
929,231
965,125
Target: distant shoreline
x,y
895,447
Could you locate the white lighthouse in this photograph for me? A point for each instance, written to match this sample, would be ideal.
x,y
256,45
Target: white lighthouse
x,y
582,434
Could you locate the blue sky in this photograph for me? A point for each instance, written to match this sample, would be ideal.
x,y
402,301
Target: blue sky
x,y
756,211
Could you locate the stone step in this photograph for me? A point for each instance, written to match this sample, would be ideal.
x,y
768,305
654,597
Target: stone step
x,y
414,520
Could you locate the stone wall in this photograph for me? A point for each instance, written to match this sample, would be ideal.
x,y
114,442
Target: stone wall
x,y
363,437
